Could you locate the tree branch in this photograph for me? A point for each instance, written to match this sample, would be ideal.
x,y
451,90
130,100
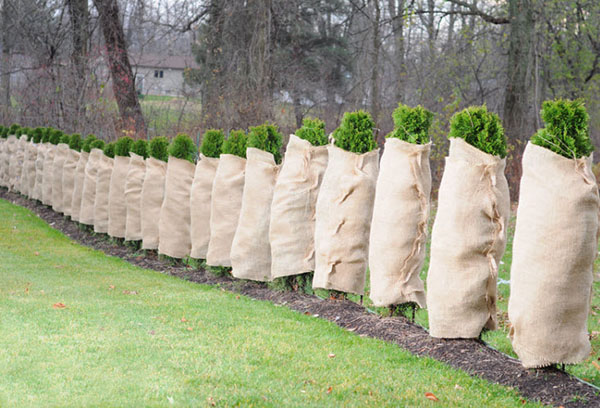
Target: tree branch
x,y
472,10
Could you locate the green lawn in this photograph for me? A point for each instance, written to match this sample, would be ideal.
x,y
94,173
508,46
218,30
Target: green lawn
x,y
134,337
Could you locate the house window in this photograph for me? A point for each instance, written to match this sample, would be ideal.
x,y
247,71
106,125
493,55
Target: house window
x,y
158,74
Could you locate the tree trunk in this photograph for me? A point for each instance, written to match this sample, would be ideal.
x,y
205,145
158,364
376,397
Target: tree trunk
x,y
375,94
5,61
397,14
79,17
124,90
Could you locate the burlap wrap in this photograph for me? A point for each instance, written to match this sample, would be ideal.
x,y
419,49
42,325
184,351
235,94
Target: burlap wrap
x,y
344,212
399,225
467,243
292,226
69,180
250,249
153,192
60,155
30,169
78,185
117,207
554,249
133,197
225,208
101,200
24,180
88,193
200,199
174,223
3,161
16,163
39,171
48,175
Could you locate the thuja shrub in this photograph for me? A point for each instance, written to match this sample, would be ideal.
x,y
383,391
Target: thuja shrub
x,y
355,133
140,147
566,131
97,144
3,132
479,128
14,129
183,147
38,133
75,142
266,137
86,146
236,143
66,139
212,143
123,146
46,135
411,124
27,131
313,131
109,149
55,136
159,148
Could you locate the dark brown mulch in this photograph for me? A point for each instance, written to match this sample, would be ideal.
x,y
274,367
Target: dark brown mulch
x,y
549,386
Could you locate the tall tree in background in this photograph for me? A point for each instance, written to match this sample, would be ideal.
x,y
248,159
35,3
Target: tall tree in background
x,y
79,18
5,58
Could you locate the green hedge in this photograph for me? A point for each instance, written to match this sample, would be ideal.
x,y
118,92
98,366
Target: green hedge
x,y
75,142
123,146
411,124
140,147
183,147
266,137
212,143
86,146
38,133
479,128
55,136
98,144
313,130
236,143
159,147
109,150
355,133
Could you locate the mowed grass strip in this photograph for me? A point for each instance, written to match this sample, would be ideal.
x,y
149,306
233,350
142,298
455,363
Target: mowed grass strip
x,y
133,337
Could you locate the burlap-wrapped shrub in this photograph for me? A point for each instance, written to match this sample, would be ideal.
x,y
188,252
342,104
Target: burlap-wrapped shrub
x,y
69,172
250,250
88,193
292,225
60,155
16,162
174,223
345,206
226,204
84,156
117,207
401,211
469,232
101,198
43,146
153,190
555,242
25,171
3,156
133,190
51,138
9,151
200,199
34,148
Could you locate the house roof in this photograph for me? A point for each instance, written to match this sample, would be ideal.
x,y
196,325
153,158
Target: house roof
x,y
163,61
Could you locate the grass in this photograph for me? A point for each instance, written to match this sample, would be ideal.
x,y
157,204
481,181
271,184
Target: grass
x,y
134,337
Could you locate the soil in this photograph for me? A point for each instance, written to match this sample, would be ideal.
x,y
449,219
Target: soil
x,y
550,386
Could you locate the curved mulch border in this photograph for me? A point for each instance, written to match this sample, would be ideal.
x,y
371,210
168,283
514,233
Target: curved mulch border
x,y
549,385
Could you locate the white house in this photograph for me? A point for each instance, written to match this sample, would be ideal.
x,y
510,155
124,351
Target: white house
x,y
162,74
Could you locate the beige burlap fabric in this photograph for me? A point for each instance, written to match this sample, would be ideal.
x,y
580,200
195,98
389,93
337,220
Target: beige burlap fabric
x,y
133,197
48,175
153,192
39,171
344,212
250,249
78,185
3,162
16,163
69,179
206,168
60,155
399,225
467,243
226,204
101,198
88,193
31,169
174,224
292,226
554,249
24,180
117,207
11,148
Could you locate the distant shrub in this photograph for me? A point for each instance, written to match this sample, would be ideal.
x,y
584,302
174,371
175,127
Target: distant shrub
x,y
38,133
266,137
46,135
566,131
27,131
109,149
140,147
3,132
14,129
355,133
123,146
411,124
55,136
479,128
75,142
212,143
313,130
86,146
66,139
97,144
159,148
183,147
236,143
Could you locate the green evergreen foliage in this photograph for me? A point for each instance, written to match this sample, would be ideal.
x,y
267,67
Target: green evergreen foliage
x,y
38,133
266,137
123,146
14,129
46,135
86,146
66,139
3,132
55,136
566,131
109,149
236,143
355,133
75,142
140,147
28,132
183,147
411,124
97,144
313,130
212,143
479,128
159,148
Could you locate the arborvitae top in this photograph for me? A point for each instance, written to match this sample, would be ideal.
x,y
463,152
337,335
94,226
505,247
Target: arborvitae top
x,y
411,124
479,128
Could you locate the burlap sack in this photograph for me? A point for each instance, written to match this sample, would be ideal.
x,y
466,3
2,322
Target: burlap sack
x,y
292,226
153,193
200,199
48,174
101,201
68,183
39,171
117,207
467,243
24,180
30,169
343,220
399,225
60,154
250,249
88,193
133,197
78,185
554,249
225,207
3,162
16,163
174,224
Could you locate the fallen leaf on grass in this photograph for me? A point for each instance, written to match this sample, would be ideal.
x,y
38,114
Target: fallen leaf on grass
x,y
457,387
59,305
152,332
329,390
431,396
596,365
237,297
190,329
111,287
130,292
211,401
183,319
331,355
36,253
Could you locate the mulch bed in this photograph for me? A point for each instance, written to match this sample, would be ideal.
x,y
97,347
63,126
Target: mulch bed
x,y
549,385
